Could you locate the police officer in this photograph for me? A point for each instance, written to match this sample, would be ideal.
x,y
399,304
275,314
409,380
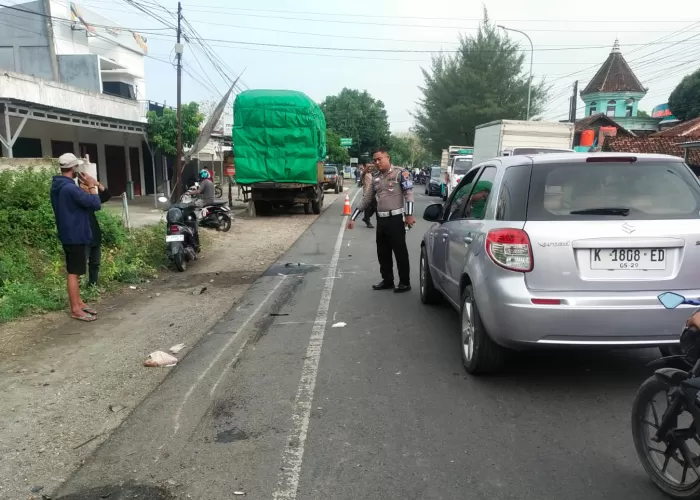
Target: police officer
x,y
393,190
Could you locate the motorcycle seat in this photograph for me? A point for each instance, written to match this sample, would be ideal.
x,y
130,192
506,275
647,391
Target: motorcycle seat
x,y
216,204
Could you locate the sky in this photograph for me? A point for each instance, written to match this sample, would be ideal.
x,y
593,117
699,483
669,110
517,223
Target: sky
x,y
571,40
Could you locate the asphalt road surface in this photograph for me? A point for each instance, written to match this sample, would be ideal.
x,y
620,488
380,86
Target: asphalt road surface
x,y
280,401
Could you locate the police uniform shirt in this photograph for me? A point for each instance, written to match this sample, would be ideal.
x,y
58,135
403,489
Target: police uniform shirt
x,y
393,190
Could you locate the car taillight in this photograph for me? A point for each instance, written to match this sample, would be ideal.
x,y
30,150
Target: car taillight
x,y
174,229
510,249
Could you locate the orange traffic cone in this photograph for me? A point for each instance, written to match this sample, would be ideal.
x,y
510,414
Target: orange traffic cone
x,y
346,206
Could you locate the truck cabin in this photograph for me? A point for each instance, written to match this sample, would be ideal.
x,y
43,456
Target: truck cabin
x,y
533,151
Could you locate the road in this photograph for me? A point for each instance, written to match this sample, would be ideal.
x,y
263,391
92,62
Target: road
x,y
278,403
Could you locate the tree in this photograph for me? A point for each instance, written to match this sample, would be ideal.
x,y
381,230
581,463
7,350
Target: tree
x,y
337,154
482,82
162,129
642,114
359,116
684,101
407,150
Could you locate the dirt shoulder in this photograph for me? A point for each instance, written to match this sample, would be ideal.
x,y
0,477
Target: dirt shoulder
x,y
66,385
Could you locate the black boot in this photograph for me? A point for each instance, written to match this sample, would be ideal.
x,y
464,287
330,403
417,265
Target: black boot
x,y
403,287
383,285
369,224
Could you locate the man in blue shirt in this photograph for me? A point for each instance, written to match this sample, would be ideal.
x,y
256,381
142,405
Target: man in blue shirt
x,y
72,208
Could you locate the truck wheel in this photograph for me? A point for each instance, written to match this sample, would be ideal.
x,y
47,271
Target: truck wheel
x,y
316,206
307,207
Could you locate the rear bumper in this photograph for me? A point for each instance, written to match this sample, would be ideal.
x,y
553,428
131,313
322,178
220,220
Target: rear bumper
x,y
612,319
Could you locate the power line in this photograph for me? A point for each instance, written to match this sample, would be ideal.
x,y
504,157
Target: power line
x,y
370,23
63,19
335,14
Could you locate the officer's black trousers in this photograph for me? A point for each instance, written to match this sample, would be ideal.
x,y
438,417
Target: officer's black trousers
x,y
391,237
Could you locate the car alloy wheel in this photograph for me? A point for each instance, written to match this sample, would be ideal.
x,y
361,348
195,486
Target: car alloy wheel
x,y
467,330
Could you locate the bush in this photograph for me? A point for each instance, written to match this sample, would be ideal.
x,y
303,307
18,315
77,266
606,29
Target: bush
x,y
32,265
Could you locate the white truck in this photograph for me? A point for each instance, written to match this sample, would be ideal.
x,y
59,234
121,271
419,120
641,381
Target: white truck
x,y
518,137
447,166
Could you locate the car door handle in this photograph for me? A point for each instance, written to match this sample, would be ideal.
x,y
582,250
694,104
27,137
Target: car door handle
x,y
468,238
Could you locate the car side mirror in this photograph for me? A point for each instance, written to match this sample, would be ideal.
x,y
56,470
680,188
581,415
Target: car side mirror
x,y
433,213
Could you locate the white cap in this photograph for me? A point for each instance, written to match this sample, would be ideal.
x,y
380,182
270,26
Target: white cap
x,y
69,160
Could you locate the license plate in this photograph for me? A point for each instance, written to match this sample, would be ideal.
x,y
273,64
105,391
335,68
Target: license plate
x,y
174,237
643,259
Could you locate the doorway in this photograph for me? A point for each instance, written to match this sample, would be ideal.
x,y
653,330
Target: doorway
x,y
115,163
134,157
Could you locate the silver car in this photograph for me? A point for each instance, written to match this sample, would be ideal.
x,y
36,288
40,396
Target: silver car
x,y
564,250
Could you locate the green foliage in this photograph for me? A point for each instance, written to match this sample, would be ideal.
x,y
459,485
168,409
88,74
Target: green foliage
x,y
359,116
482,82
32,269
162,130
642,114
684,101
337,154
406,150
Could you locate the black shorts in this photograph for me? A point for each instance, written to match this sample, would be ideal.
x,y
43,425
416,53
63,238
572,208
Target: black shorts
x,y
76,259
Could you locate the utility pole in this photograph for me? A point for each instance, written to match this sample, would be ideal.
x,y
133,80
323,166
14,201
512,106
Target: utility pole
x,y
178,163
574,100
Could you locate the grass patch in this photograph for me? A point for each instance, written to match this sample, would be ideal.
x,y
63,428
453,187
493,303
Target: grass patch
x,y
32,264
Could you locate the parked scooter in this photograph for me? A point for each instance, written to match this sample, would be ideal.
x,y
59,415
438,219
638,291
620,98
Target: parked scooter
x,y
666,413
182,233
214,215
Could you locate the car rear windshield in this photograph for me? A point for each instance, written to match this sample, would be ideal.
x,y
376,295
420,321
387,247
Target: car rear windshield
x,y
435,172
330,170
600,191
462,166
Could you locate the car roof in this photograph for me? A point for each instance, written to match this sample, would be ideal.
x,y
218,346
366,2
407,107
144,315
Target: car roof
x,y
548,158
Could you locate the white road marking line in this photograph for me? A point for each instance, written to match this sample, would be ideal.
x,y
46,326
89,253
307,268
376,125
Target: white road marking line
x,y
176,418
293,455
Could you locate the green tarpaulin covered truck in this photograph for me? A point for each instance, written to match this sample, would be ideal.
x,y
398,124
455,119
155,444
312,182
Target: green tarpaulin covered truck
x,y
279,145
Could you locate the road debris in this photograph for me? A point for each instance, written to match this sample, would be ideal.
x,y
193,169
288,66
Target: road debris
x,y
159,359
239,493
339,324
177,348
116,408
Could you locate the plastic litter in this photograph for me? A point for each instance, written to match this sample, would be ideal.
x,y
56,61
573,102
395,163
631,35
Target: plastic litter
x,y
160,358
239,493
340,324
177,348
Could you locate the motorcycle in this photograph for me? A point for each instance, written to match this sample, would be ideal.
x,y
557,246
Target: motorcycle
x,y
214,215
667,442
182,233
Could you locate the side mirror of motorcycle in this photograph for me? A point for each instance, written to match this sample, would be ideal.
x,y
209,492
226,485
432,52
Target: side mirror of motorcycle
x,y
671,300
163,199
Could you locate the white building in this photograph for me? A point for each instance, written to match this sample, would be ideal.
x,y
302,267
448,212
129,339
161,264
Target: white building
x,y
73,81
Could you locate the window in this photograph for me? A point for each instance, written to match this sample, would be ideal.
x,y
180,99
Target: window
x,y
611,108
457,202
479,198
462,166
630,106
649,190
593,108
512,197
